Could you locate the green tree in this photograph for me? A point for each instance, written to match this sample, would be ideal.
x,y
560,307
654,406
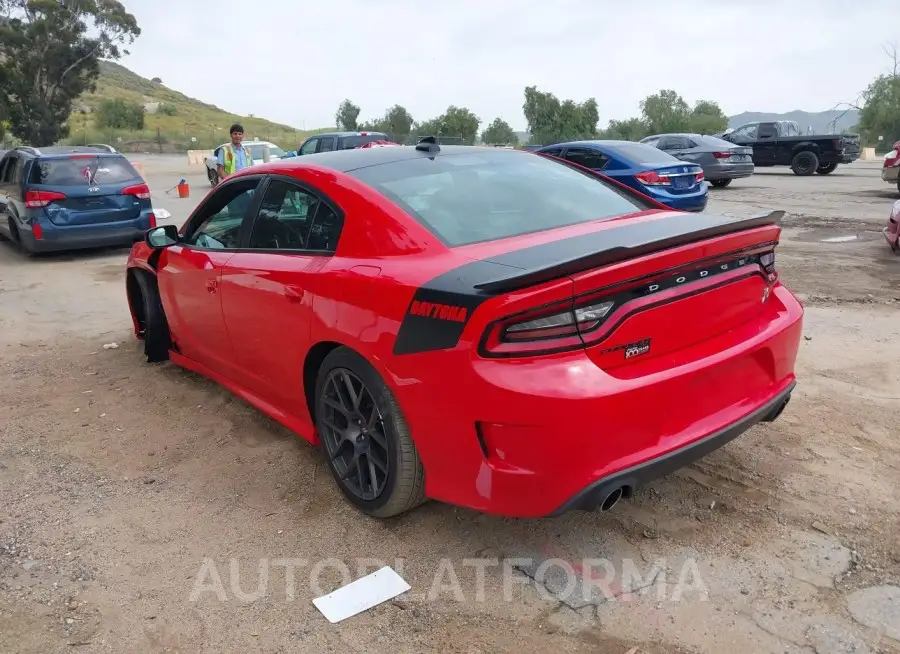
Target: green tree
x,y
551,121
50,51
633,129
118,114
880,113
666,111
455,122
396,122
499,133
347,116
707,118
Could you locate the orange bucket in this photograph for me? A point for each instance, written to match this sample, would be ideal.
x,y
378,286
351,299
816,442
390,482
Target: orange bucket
x,y
184,190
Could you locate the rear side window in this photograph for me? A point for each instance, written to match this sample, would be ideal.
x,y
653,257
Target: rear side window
x,y
470,198
80,169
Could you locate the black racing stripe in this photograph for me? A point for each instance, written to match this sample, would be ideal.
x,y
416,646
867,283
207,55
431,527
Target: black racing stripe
x,y
423,327
441,308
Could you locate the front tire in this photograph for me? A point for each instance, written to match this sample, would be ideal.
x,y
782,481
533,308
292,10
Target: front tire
x,y
365,437
805,163
720,183
826,169
152,320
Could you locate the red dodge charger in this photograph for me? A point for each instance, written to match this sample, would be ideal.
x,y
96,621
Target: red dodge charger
x,y
485,327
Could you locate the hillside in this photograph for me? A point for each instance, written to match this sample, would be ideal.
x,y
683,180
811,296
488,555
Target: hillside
x,y
822,122
172,118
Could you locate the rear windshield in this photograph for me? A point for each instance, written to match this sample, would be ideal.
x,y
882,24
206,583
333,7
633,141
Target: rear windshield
x,y
714,142
470,198
82,169
642,153
350,142
257,149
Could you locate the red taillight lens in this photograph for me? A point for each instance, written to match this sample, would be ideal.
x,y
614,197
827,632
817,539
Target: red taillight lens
x,y
552,329
652,178
700,177
38,199
722,155
141,191
37,231
152,219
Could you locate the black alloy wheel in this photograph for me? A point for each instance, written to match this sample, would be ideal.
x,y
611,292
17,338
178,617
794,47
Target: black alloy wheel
x,y
805,163
365,437
354,435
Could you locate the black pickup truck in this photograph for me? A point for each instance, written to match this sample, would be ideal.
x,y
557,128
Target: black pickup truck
x,y
781,143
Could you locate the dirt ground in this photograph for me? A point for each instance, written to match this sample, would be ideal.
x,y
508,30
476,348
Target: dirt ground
x,y
143,508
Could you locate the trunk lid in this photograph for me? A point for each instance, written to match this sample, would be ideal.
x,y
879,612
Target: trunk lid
x,y
87,189
641,289
669,301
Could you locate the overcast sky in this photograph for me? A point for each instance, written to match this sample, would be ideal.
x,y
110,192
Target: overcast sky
x,y
294,61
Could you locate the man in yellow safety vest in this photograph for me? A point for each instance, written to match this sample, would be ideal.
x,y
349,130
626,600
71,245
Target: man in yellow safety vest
x,y
233,156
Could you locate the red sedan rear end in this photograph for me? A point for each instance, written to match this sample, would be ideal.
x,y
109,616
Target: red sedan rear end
x,y
485,327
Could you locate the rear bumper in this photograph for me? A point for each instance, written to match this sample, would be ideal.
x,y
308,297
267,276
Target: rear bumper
x,y
734,171
890,174
533,441
56,238
849,157
593,496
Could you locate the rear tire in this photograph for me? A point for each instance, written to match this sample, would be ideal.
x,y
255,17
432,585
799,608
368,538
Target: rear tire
x,y
720,183
402,487
826,169
805,163
153,323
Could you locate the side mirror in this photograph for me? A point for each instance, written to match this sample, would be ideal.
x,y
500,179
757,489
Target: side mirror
x,y
162,237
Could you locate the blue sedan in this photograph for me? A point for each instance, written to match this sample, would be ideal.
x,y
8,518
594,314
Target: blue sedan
x,y
646,169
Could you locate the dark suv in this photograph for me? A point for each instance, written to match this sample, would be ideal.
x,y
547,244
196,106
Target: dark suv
x,y
64,198
339,141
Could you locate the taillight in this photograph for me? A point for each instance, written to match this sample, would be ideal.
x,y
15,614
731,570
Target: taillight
x,y
892,159
554,328
838,144
141,191
767,261
700,177
652,178
38,199
721,155
152,219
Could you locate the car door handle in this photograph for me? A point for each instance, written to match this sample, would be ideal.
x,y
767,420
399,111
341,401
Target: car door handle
x,y
211,285
293,293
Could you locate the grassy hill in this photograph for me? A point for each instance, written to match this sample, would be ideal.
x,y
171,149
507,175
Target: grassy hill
x,y
171,120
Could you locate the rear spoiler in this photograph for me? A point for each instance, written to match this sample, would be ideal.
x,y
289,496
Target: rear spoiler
x,y
628,240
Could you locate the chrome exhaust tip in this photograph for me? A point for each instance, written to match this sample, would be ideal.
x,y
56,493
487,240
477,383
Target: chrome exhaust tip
x,y
611,500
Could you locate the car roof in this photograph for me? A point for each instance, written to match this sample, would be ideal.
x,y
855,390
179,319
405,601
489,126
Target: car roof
x,y
347,160
685,134
365,133
56,150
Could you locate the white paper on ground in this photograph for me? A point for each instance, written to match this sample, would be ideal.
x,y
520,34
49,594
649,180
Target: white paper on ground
x,y
361,595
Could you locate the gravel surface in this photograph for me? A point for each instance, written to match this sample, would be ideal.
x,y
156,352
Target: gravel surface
x,y
147,509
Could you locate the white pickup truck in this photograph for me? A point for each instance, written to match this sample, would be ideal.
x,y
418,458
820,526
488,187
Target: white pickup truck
x,y
260,151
